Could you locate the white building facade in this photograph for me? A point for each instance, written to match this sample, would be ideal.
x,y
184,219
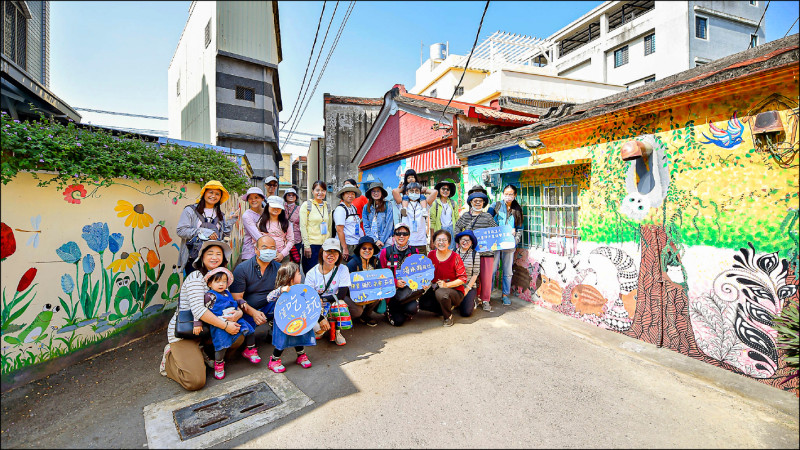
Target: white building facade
x,y
223,80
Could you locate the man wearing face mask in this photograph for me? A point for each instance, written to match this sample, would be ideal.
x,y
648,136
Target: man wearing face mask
x,y
416,219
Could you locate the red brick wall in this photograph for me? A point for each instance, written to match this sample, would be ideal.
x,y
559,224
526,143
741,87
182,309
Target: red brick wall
x,y
402,131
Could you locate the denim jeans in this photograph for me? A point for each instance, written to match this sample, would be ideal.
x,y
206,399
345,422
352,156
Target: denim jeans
x,y
507,256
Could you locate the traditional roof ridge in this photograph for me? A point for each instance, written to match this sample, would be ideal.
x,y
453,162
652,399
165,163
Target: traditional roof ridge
x,y
348,100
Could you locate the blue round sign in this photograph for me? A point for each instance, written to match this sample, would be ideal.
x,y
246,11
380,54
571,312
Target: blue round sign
x,y
297,311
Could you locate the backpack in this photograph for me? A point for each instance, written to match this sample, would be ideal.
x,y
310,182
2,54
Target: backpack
x,y
347,214
449,200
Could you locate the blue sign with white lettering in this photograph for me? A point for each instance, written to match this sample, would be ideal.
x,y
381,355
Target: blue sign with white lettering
x,y
416,271
495,238
297,311
371,285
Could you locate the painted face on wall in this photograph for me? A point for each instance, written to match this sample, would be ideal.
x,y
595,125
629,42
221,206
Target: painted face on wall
x,y
635,206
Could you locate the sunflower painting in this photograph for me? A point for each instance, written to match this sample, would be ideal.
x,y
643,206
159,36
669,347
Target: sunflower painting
x,y
125,261
137,218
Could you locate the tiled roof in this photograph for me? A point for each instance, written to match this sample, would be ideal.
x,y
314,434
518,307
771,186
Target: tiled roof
x,y
353,100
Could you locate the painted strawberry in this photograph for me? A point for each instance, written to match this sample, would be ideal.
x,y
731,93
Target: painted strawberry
x,y
8,244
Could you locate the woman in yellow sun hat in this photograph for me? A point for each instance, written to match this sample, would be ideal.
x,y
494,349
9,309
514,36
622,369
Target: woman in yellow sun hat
x,y
203,221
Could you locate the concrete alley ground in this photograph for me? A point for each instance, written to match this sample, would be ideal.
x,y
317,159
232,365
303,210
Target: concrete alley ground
x,y
518,377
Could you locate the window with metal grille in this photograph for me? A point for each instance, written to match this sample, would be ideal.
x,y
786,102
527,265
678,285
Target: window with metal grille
x,y
621,56
280,172
551,213
208,33
701,27
650,80
433,93
459,91
753,40
649,44
243,93
15,31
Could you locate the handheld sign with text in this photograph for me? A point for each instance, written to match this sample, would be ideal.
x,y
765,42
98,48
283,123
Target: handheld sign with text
x,y
371,285
416,271
297,311
495,238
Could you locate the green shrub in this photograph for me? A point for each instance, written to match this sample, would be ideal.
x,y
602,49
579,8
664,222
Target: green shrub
x,y
787,324
81,155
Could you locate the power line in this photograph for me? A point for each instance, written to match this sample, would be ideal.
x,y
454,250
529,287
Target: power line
x,y
308,64
335,43
480,25
119,113
325,39
790,28
759,24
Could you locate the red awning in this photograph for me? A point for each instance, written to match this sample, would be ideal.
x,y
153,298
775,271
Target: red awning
x,y
436,159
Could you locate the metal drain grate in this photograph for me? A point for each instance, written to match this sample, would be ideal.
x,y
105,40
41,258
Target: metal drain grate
x,y
219,411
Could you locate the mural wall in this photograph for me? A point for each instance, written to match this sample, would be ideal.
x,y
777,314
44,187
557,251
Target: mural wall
x,y
85,264
694,248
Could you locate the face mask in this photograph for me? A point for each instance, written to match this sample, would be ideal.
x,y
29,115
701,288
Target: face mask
x,y
267,255
413,197
508,198
476,210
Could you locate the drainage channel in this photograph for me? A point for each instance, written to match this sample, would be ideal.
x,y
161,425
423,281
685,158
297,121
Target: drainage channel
x,y
217,412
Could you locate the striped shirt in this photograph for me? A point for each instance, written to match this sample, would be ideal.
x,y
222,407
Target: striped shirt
x,y
472,262
469,222
192,291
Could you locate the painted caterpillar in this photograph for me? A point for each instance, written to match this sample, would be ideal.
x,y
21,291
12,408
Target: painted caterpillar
x,y
626,269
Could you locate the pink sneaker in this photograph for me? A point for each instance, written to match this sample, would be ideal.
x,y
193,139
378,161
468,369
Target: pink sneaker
x,y
252,355
303,361
219,370
275,365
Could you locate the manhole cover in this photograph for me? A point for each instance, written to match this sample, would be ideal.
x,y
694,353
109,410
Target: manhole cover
x,y
219,411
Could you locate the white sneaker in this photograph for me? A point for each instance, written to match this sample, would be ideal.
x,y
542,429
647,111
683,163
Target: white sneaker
x,y
339,338
487,307
163,367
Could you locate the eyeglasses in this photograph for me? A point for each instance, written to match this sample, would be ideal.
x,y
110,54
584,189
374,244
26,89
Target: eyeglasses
x,y
443,240
402,233
366,249
444,188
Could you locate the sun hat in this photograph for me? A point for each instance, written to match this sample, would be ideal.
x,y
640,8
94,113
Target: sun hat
x,y
288,191
362,241
348,188
218,270
276,202
479,195
476,188
270,178
471,236
449,184
332,244
252,190
226,250
214,184
379,185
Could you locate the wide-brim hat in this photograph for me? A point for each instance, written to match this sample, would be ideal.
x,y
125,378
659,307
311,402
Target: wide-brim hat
x,y
479,195
253,190
218,270
376,184
289,191
471,236
214,184
362,241
226,250
449,184
332,244
276,202
476,188
348,188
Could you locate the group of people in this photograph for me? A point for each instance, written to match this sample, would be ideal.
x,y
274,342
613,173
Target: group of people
x,y
286,243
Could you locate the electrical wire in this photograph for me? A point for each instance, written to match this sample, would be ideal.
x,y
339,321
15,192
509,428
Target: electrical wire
x,y
119,113
467,64
324,66
308,64
759,24
790,28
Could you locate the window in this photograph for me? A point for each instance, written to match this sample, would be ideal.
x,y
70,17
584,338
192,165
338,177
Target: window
x,y
280,172
15,32
649,44
433,93
753,40
621,56
243,93
701,27
208,33
650,80
753,3
459,91
550,212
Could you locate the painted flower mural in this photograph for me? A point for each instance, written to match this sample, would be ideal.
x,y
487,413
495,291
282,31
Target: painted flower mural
x,y
74,193
69,252
8,244
126,261
136,217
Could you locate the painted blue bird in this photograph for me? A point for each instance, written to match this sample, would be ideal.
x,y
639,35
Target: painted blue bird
x,y
726,138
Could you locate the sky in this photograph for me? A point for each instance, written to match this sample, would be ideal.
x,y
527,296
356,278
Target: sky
x,y
114,56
